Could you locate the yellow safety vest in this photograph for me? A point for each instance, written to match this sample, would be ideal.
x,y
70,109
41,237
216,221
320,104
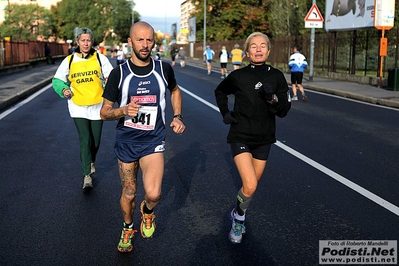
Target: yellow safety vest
x,y
237,55
86,83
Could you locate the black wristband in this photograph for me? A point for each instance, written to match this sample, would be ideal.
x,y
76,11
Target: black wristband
x,y
178,116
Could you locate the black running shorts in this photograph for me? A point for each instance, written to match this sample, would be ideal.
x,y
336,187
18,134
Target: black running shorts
x,y
258,152
296,77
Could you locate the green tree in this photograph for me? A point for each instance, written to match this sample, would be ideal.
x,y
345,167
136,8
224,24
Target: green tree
x,y
121,19
94,14
288,17
110,20
285,17
27,22
48,25
231,19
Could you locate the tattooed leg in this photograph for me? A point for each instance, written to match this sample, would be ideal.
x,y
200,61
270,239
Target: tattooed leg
x,y
128,174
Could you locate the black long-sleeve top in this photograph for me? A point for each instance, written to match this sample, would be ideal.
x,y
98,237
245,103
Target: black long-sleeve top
x,y
256,117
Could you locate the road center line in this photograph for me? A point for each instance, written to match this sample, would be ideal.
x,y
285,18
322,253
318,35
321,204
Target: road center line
x,y
364,192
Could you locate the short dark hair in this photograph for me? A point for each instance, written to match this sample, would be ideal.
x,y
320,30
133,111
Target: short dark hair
x,y
296,46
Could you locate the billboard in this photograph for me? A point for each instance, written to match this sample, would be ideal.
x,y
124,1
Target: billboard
x,y
349,14
192,29
174,32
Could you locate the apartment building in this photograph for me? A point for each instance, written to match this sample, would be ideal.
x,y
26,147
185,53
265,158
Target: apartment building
x,y
186,9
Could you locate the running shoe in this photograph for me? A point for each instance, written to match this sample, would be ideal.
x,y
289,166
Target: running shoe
x,y
92,168
87,182
231,217
125,244
304,97
236,231
294,98
147,226
209,72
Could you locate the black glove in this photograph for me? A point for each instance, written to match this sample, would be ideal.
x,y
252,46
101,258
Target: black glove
x,y
229,119
266,92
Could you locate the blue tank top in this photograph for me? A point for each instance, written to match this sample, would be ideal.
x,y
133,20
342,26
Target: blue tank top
x,y
148,127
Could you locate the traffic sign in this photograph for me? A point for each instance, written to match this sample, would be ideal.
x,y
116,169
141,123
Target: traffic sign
x,y
384,14
314,19
314,14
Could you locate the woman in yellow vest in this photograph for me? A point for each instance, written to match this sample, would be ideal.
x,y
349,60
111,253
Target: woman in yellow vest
x,y
80,78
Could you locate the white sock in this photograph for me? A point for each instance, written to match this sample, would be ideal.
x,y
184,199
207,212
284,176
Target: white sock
x,y
239,217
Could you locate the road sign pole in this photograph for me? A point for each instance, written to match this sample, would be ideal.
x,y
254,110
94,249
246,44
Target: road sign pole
x,y
383,20
382,54
312,35
313,20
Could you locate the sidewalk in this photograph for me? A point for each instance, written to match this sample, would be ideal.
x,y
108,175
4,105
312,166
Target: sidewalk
x,y
352,90
18,86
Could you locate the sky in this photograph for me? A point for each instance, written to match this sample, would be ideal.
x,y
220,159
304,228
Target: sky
x,y
161,14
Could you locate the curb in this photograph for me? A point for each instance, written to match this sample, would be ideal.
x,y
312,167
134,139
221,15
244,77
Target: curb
x,y
354,96
24,93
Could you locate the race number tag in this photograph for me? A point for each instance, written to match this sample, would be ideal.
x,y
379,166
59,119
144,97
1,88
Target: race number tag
x,y
145,119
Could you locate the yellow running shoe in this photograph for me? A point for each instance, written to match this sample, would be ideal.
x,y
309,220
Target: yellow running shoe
x,y
125,244
147,226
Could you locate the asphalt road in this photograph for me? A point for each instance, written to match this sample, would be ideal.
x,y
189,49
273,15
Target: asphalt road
x,y
333,175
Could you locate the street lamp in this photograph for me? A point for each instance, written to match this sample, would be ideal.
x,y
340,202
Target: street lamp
x,y
132,4
204,24
312,36
132,12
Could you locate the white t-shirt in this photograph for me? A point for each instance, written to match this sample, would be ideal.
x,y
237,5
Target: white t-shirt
x,y
224,56
120,55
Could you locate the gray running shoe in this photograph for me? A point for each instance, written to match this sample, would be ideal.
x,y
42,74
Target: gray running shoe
x,y
235,235
92,169
231,217
294,98
304,97
87,182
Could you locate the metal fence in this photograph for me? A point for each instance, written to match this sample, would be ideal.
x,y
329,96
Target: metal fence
x,y
24,52
350,52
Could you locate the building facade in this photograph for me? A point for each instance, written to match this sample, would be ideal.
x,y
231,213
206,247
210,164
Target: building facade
x,y
187,8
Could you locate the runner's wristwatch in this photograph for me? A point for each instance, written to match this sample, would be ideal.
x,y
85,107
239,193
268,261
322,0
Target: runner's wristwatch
x,y
178,116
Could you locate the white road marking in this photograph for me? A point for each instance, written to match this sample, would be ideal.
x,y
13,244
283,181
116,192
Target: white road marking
x,y
366,193
380,201
30,98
